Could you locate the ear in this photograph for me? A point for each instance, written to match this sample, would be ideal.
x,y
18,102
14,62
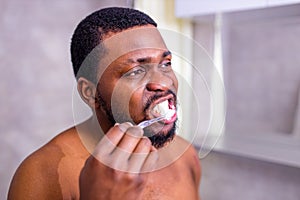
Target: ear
x,y
87,91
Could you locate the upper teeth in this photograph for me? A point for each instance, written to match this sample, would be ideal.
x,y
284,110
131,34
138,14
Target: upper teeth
x,y
164,110
170,114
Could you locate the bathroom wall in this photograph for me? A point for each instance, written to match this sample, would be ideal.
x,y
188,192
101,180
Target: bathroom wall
x,y
262,75
228,177
36,79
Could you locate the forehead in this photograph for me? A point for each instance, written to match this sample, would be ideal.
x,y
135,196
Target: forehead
x,y
132,40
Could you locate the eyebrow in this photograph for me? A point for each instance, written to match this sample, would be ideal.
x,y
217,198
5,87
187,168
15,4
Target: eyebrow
x,y
166,53
148,59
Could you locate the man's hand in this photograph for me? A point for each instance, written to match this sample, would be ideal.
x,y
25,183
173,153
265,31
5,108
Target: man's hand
x,y
115,169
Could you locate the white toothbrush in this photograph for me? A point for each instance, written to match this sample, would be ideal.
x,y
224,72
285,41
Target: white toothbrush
x,y
146,123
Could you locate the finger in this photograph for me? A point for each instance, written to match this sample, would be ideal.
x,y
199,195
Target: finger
x,y
130,140
116,133
125,148
151,162
139,155
110,140
144,146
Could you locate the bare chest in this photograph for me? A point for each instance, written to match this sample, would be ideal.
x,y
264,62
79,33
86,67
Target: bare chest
x,y
170,185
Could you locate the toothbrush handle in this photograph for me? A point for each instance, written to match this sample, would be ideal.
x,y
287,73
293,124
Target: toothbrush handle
x,y
146,123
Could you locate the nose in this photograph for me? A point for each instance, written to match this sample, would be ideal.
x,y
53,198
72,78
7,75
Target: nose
x,y
158,82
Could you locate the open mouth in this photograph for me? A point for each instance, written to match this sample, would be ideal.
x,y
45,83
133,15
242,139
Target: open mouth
x,y
166,107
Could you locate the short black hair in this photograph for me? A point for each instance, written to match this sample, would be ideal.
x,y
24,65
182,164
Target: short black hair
x,y
90,31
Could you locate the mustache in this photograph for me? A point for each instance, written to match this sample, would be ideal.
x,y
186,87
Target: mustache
x,y
156,96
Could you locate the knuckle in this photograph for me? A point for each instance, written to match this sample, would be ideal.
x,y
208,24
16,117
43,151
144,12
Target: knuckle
x,y
146,141
92,162
134,179
101,156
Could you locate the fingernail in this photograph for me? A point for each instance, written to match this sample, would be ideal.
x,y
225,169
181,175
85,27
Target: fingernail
x,y
123,127
135,131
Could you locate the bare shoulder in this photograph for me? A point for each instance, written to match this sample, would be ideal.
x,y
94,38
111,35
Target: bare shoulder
x,y
38,176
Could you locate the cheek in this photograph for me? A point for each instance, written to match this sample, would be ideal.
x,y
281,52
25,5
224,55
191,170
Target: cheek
x,y
126,99
136,106
106,86
175,81
104,90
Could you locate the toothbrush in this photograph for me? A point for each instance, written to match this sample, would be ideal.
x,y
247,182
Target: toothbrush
x,y
147,123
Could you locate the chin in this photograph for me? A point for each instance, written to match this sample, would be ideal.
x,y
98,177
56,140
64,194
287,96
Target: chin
x,y
161,135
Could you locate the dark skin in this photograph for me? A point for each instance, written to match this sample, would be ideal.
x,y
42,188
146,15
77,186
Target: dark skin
x,y
124,164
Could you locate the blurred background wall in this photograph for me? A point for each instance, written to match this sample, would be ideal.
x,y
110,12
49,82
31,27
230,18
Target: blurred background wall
x,y
36,79
257,156
36,83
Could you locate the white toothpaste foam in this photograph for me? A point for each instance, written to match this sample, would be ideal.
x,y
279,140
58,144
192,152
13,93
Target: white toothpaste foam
x,y
164,110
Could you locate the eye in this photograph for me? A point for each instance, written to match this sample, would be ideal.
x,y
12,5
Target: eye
x,y
166,65
135,72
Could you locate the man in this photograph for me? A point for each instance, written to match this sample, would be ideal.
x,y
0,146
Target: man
x,y
124,73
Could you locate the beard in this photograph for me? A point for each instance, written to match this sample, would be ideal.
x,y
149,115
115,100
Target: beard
x,y
158,139
106,108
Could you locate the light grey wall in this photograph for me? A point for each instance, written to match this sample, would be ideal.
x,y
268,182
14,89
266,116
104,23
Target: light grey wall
x,y
226,177
263,70
262,80
36,78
